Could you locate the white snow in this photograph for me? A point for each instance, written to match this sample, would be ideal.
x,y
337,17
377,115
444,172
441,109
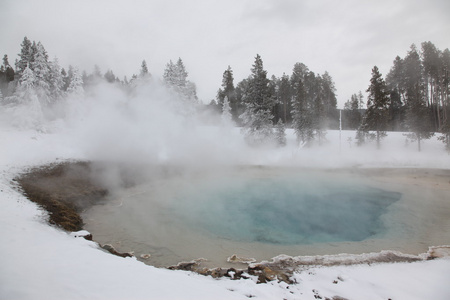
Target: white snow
x,y
38,261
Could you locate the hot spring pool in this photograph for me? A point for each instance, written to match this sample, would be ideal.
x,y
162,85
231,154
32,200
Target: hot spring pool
x,y
260,212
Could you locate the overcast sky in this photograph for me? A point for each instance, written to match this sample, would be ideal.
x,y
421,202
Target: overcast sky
x,y
345,38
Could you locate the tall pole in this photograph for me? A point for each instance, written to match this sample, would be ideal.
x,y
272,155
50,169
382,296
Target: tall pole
x,y
340,129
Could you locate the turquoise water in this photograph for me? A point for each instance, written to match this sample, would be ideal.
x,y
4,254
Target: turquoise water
x,y
288,211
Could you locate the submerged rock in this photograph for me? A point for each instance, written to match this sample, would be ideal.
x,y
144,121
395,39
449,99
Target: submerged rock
x,y
236,259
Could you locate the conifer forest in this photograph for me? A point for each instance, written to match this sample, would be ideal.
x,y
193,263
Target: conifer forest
x,y
413,97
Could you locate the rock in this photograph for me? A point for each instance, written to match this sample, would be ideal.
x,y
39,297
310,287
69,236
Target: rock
x,y
203,271
266,274
82,233
236,259
218,272
88,237
184,266
145,256
112,250
438,252
193,265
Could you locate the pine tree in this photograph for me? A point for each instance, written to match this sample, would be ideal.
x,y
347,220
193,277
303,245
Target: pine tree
x,y
377,113
67,76
28,110
284,97
5,61
395,79
175,78
76,84
361,100
434,80
257,117
280,133
227,118
97,73
56,80
25,56
27,81
395,83
241,91
416,109
40,67
228,90
144,70
33,53
352,114
445,128
6,74
301,112
328,92
316,98
169,74
277,108
109,76
9,74
125,80
8,71
180,74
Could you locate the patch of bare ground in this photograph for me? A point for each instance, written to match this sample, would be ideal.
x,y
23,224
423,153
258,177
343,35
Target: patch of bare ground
x,y
64,190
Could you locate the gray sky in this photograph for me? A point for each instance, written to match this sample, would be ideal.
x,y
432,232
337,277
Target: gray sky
x,y
345,38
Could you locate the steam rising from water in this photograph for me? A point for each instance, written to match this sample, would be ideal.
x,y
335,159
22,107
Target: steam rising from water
x,y
152,126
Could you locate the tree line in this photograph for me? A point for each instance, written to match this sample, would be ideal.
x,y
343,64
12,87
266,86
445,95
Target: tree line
x,y
414,96
38,83
263,106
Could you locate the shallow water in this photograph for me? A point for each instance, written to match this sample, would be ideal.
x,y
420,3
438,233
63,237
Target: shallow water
x,y
263,212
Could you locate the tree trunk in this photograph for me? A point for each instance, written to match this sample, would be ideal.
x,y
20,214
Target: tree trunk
x,y
418,141
378,139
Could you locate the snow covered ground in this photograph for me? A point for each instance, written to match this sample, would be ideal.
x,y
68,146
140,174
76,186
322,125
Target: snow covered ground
x,y
38,261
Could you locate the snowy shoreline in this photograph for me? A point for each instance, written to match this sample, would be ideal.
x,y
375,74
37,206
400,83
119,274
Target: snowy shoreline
x,y
69,188
42,262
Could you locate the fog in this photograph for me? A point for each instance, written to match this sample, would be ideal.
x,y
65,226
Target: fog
x,y
147,128
151,125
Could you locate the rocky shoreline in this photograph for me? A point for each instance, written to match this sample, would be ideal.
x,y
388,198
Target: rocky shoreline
x,y
282,267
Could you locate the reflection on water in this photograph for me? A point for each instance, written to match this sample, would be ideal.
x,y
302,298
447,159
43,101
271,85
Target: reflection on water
x,y
257,212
